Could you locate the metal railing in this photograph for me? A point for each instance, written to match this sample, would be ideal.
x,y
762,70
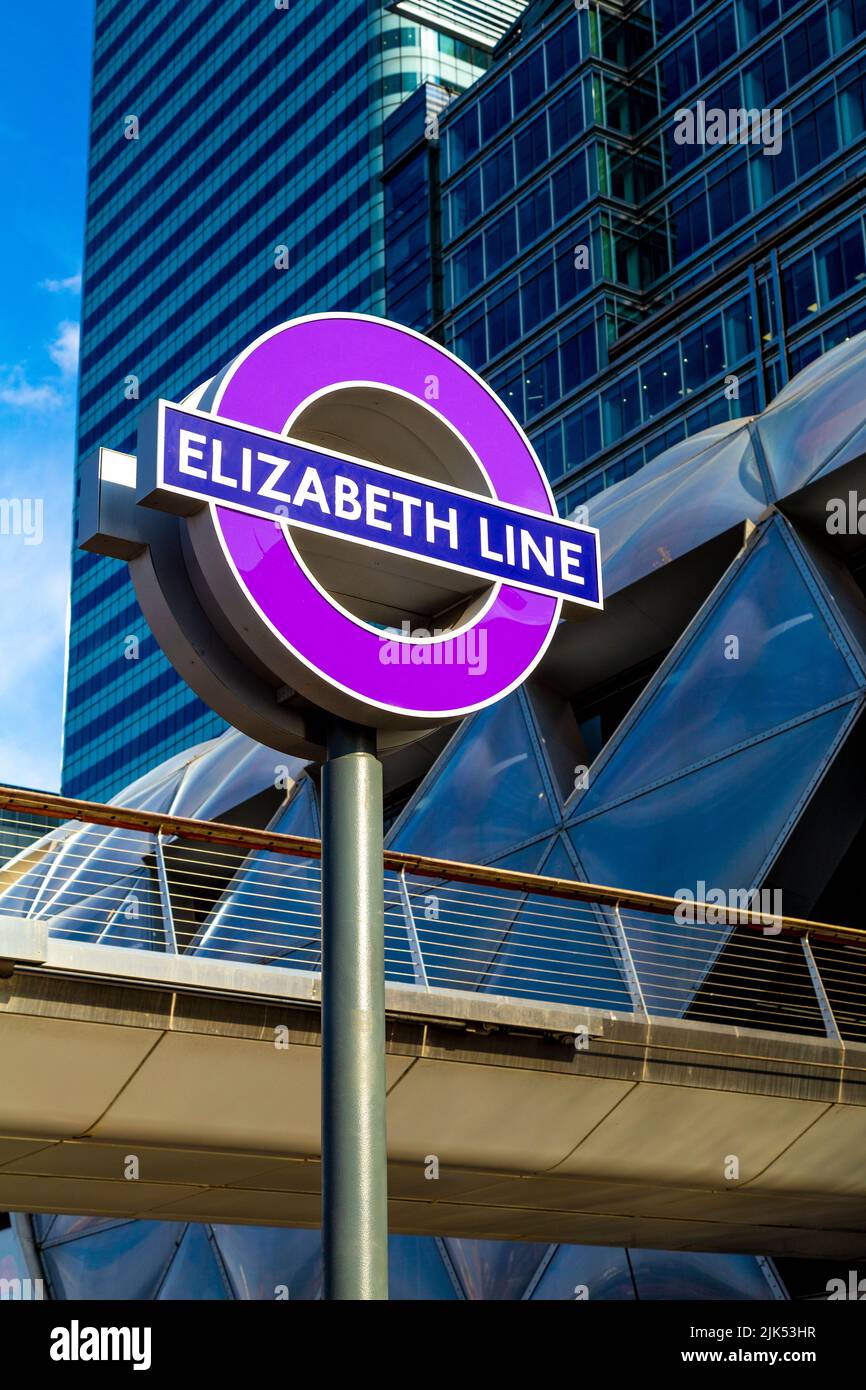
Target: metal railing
x,y
144,880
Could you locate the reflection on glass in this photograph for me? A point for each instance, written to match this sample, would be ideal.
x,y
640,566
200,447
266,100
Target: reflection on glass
x,y
261,1260
270,917
660,1274
686,495
814,415
494,1268
122,1262
416,1270
488,793
580,1272
558,951
763,656
271,913
710,826
194,1271
12,1262
461,928
127,913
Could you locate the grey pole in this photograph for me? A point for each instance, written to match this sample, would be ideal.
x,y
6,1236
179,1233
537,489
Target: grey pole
x,y
354,1150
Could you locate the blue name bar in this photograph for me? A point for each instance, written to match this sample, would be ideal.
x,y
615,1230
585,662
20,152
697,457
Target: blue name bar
x,y
201,458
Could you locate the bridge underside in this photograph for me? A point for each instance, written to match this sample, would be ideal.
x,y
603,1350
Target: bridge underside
x,y
671,1135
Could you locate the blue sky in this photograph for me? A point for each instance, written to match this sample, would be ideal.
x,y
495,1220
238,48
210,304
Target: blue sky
x,y
44,100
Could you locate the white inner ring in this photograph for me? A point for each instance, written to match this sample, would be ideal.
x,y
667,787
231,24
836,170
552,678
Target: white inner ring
x,y
391,427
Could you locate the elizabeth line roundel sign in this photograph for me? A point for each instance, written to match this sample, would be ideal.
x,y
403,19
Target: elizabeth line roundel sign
x,y
358,516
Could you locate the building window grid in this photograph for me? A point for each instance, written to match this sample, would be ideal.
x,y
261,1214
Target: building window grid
x,y
718,199
624,405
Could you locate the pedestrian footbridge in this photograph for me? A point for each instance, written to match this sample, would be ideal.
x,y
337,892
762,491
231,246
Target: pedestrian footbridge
x,y
180,1079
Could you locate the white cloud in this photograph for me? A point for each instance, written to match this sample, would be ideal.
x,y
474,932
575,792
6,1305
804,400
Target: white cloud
x,y
71,285
17,391
64,349
20,393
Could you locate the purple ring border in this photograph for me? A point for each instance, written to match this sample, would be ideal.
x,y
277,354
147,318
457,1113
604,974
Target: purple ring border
x,y
264,387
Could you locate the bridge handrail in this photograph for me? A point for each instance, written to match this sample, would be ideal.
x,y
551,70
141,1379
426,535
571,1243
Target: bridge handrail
x,y
422,866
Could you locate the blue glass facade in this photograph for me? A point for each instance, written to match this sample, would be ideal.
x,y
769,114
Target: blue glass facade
x,y
235,151
610,282
111,1259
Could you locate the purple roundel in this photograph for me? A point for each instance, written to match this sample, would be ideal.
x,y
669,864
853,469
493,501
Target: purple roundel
x,y
268,385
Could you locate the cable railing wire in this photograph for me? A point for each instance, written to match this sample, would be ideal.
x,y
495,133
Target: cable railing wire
x,y
105,875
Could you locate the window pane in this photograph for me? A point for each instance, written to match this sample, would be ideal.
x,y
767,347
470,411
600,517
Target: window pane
x,y
578,356
500,242
537,295
541,375
569,186
465,203
495,110
468,268
527,80
806,47
739,337
562,52
582,434
533,215
703,353
679,71
661,385
620,407
716,42
841,263
566,118
530,147
503,317
801,296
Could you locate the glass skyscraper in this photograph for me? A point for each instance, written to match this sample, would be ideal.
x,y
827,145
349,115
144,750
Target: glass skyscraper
x,y
621,285
235,152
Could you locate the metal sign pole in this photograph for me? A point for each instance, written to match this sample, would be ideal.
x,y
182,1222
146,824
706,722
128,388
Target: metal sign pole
x,y
354,1148
195,515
